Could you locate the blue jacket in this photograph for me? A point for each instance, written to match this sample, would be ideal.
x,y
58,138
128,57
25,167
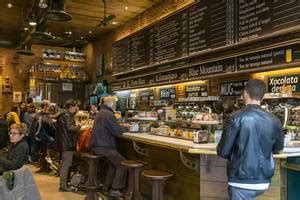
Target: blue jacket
x,y
250,137
105,129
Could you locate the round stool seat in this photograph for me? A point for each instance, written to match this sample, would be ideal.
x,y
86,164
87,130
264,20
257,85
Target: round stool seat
x,y
132,163
156,174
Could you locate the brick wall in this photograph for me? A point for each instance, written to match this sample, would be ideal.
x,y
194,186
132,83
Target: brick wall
x,y
16,67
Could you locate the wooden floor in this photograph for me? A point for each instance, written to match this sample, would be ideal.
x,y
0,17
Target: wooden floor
x,y
48,187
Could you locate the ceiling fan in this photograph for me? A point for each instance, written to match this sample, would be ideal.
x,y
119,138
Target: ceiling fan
x,y
106,19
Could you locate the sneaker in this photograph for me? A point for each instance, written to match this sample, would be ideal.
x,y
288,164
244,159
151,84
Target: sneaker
x,y
65,189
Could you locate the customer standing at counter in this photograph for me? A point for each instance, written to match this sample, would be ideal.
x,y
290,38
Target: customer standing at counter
x,y
66,134
251,135
103,142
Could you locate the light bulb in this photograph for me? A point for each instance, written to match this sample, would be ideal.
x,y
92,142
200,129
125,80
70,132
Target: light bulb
x,y
43,4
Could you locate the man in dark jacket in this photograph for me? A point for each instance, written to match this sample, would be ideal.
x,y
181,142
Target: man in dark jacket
x,y
103,142
251,137
66,133
42,131
17,151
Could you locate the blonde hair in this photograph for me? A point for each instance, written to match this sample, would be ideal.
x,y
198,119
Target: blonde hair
x,y
22,128
109,100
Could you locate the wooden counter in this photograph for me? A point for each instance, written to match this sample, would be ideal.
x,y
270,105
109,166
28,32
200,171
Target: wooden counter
x,y
198,172
190,146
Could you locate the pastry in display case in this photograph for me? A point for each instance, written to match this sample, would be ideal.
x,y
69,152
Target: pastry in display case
x,y
206,118
82,119
145,115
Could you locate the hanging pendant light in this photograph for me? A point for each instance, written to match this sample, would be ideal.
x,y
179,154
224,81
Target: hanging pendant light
x,y
57,11
41,33
32,20
43,4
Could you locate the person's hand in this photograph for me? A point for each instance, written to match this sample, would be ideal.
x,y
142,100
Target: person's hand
x,y
127,125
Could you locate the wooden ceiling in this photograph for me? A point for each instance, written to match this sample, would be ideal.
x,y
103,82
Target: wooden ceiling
x,y
86,15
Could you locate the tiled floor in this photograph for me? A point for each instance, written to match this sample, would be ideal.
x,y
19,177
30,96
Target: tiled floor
x,y
48,187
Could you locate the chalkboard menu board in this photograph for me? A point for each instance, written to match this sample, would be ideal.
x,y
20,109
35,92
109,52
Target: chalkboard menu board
x,y
146,95
232,88
168,93
270,57
217,67
196,91
204,25
169,38
277,57
211,25
258,18
121,55
139,46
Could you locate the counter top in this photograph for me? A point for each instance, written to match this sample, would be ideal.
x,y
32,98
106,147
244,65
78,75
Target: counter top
x,y
190,146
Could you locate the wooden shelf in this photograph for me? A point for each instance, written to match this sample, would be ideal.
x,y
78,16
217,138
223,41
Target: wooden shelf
x,y
206,122
63,62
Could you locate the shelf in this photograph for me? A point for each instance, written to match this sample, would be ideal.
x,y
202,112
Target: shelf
x,y
206,122
270,96
145,118
62,61
198,99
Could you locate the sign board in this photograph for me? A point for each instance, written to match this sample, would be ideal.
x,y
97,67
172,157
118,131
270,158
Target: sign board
x,y
205,25
17,97
67,86
275,83
146,95
168,93
196,91
233,88
277,57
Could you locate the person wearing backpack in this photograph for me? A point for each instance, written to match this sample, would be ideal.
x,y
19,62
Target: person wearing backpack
x,y
42,132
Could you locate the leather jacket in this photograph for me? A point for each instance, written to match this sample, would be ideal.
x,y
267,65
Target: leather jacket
x,y
66,132
250,137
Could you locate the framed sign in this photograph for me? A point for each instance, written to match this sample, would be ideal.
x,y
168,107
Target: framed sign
x,y
67,86
196,91
233,88
17,97
168,93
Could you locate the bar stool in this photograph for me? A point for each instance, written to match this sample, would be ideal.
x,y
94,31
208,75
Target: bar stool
x,y
91,184
157,179
134,167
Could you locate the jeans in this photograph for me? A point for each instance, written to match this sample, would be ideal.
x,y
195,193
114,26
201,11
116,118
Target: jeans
x,y
236,193
117,173
66,163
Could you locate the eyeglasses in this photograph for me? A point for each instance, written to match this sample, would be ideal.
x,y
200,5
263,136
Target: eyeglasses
x,y
13,133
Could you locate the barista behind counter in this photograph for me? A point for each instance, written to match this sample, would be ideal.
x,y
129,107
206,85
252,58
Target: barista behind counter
x,y
103,142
